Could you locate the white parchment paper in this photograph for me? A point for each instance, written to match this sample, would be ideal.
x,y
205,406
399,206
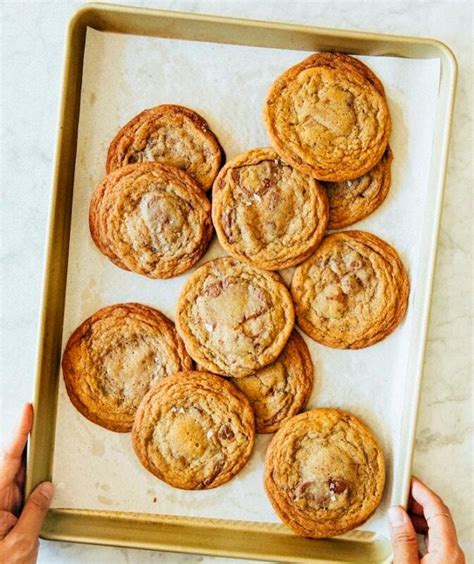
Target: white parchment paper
x,y
97,469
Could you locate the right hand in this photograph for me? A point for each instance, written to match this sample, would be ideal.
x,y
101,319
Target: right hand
x,y
429,516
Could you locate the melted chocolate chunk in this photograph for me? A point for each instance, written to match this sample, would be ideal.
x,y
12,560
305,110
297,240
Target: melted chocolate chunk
x,y
301,489
227,222
226,433
267,183
337,485
215,472
213,290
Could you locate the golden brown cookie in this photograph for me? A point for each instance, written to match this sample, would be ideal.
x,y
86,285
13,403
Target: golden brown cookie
x,y
327,116
352,292
152,219
281,389
233,318
115,356
172,135
267,213
194,430
353,200
324,473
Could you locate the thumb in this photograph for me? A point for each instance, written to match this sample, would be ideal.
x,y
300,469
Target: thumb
x,y
405,544
34,512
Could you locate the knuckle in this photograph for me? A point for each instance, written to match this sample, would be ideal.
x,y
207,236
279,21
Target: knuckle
x,y
458,556
404,537
8,455
18,544
7,522
38,502
7,518
5,461
441,506
19,540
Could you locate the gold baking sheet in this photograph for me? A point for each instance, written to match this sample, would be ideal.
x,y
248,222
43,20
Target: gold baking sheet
x,y
270,542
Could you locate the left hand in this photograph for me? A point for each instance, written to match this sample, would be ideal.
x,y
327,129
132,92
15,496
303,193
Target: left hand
x,y
19,529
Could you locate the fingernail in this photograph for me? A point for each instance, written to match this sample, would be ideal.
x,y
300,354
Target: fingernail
x,y
396,516
46,489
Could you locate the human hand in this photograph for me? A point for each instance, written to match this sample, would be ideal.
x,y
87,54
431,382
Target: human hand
x,y
429,516
19,529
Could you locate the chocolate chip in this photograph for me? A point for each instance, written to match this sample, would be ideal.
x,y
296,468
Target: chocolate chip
x,y
302,492
213,290
227,223
235,174
226,433
215,472
337,486
301,489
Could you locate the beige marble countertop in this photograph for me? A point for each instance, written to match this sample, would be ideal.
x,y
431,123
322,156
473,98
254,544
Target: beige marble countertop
x,y
32,57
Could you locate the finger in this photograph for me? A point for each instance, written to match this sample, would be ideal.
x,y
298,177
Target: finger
x,y
402,533
12,459
7,522
34,512
441,528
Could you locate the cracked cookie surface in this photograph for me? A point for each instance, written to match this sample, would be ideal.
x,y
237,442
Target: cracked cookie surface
x,y
172,135
267,213
327,116
115,356
353,200
194,430
352,292
152,219
281,389
233,318
324,473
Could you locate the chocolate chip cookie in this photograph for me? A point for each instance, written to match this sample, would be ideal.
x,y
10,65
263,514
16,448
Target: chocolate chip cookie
x,y
194,430
233,318
267,213
353,200
324,473
328,116
352,292
281,389
172,135
152,219
115,356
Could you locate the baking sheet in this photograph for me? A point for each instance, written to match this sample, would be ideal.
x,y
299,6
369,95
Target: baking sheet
x,y
122,75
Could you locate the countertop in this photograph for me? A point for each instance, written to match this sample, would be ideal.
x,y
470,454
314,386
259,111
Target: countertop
x,y
32,58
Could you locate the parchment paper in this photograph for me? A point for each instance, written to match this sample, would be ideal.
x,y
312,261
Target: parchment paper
x,y
97,469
